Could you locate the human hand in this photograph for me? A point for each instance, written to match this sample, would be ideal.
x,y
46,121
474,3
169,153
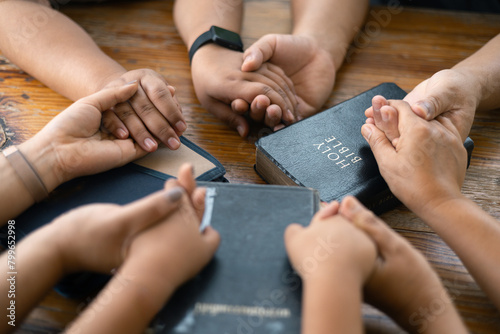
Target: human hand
x,y
153,112
454,94
174,250
334,259
311,68
427,166
333,245
100,237
73,145
218,82
96,237
402,282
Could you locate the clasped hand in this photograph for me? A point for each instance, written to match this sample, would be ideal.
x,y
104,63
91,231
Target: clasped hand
x,y
279,80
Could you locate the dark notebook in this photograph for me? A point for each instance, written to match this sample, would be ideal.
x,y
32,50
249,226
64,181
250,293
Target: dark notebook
x,y
327,152
249,286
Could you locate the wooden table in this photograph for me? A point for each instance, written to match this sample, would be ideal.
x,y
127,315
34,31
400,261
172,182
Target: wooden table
x,y
411,47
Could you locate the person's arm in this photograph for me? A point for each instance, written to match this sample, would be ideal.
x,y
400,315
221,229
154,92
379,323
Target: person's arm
x,y
216,74
334,260
456,93
313,53
331,23
37,256
69,146
157,262
425,170
402,282
473,235
128,241
55,50
484,66
89,238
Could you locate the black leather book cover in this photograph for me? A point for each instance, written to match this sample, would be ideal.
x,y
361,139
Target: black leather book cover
x,y
327,152
249,286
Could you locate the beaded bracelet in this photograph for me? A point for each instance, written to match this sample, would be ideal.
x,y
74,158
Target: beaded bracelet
x,y
26,173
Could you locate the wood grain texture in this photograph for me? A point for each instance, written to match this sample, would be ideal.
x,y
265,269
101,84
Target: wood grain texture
x,y
406,48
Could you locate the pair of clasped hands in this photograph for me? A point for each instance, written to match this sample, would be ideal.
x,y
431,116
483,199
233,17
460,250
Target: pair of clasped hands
x,y
268,83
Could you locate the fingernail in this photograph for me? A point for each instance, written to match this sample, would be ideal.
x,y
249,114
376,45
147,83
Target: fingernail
x,y
241,130
279,127
150,144
173,143
181,126
174,194
131,82
366,131
122,134
290,115
248,59
353,205
385,115
258,105
425,107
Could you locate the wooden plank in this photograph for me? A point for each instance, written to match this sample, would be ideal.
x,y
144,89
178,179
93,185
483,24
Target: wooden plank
x,y
406,48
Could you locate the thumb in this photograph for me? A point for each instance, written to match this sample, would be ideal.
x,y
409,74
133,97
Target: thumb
x,y
258,53
291,231
380,145
212,240
109,97
428,108
150,210
430,104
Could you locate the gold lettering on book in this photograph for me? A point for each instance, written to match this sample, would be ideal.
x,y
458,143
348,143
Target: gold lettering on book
x,y
267,312
335,151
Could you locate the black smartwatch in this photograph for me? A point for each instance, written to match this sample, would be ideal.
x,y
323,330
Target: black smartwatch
x,y
219,36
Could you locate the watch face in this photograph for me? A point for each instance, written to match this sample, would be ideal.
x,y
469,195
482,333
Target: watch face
x,y
226,38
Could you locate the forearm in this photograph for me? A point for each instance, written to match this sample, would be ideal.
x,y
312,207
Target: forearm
x,y
192,23
484,67
332,305
54,49
333,23
34,270
473,235
127,304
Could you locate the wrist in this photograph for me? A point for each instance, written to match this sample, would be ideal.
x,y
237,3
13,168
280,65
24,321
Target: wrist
x,y
326,307
42,158
210,54
152,290
476,84
437,211
107,77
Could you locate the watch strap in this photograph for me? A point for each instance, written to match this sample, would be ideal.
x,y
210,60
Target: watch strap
x,y
203,39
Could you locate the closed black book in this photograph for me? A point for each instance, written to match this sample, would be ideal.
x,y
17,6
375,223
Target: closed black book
x,y
249,286
327,152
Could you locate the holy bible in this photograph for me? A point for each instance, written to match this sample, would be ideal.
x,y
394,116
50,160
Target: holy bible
x,y
327,152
